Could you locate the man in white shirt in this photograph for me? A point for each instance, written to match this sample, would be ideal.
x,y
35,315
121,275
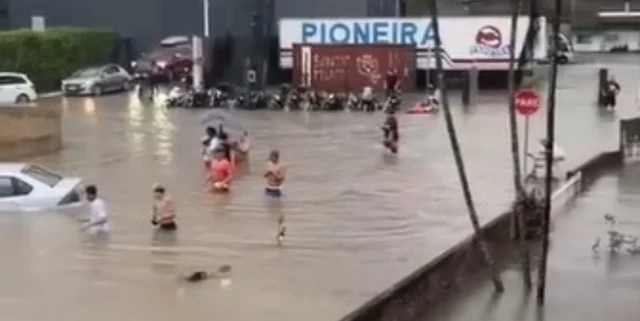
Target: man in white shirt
x,y
209,143
367,99
98,218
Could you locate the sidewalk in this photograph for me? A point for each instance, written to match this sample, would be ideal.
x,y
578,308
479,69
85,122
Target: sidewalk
x,y
581,285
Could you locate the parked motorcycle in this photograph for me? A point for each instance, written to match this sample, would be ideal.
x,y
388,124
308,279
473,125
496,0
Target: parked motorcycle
x,y
333,102
293,100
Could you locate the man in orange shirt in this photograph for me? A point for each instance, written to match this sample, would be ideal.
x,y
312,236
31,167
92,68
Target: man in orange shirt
x,y
220,172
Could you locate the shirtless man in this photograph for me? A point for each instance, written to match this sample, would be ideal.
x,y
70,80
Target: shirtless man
x,y
220,172
274,173
164,210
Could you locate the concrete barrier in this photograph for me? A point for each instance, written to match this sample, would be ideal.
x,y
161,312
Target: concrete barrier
x,y
463,264
29,131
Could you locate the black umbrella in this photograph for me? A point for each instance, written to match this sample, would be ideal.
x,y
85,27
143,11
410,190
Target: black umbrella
x,y
221,119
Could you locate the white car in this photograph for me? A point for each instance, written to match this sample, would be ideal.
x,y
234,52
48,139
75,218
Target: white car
x,y
28,187
16,88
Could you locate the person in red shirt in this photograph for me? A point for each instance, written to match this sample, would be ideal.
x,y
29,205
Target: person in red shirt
x,y
220,172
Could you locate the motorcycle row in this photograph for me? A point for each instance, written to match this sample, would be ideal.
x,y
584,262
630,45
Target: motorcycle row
x,y
286,98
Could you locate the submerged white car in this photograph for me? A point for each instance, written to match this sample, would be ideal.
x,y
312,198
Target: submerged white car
x,y
28,187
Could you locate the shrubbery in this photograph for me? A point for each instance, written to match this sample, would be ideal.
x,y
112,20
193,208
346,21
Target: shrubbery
x,y
48,57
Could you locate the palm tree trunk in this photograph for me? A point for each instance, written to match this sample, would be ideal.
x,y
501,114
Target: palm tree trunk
x,y
518,215
473,216
551,108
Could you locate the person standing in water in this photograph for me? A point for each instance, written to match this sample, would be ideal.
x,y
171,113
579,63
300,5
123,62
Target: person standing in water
x,y
209,143
226,147
390,133
274,174
98,221
220,172
164,210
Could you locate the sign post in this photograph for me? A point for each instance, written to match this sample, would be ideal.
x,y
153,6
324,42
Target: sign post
x,y
527,103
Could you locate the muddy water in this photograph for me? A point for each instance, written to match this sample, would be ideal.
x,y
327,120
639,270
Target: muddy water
x,y
358,219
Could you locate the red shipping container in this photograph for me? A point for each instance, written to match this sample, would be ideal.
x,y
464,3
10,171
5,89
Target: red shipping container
x,y
341,68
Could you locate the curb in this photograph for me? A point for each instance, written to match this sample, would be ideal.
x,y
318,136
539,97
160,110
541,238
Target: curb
x,y
50,94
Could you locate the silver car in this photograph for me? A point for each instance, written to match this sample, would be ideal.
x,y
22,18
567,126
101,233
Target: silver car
x,y
97,80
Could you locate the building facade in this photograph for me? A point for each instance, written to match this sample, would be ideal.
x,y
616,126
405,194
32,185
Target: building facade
x,y
147,21
241,27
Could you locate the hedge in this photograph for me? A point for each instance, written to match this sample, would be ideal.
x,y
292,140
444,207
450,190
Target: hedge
x,y
49,56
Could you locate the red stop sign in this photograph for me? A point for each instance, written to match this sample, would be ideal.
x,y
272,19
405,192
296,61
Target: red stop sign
x,y
527,102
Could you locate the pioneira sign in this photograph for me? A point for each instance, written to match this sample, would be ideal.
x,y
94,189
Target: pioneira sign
x,y
466,41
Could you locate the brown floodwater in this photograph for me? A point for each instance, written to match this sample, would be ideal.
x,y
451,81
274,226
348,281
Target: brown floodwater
x,y
357,219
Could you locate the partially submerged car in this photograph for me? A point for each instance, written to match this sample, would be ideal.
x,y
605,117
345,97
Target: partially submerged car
x,y
97,80
172,60
29,187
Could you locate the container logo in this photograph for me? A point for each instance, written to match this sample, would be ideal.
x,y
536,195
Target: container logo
x,y
489,36
488,42
369,67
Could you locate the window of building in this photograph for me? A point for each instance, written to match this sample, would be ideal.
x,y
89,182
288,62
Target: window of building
x,y
583,39
611,37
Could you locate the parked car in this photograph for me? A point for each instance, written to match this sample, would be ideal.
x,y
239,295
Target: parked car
x,y
16,88
172,59
97,80
25,187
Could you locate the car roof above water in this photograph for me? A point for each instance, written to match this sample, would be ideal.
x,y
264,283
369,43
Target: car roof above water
x,y
12,167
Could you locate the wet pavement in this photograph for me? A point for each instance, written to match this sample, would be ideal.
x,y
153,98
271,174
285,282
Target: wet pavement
x,y
358,220
582,285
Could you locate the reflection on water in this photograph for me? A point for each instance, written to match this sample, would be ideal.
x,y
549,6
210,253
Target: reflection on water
x,y
357,220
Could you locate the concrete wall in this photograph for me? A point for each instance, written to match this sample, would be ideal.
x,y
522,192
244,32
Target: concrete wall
x,y
462,265
28,131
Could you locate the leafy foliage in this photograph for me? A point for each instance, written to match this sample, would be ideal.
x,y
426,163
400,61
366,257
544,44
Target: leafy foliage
x,y
49,56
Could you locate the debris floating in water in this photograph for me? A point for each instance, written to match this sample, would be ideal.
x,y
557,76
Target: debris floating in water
x,y
199,276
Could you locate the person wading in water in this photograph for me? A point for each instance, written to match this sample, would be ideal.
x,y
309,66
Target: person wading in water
x,y
390,132
275,174
164,210
209,143
98,221
220,172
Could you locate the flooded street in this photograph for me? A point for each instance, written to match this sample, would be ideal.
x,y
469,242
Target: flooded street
x,y
357,219
582,285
